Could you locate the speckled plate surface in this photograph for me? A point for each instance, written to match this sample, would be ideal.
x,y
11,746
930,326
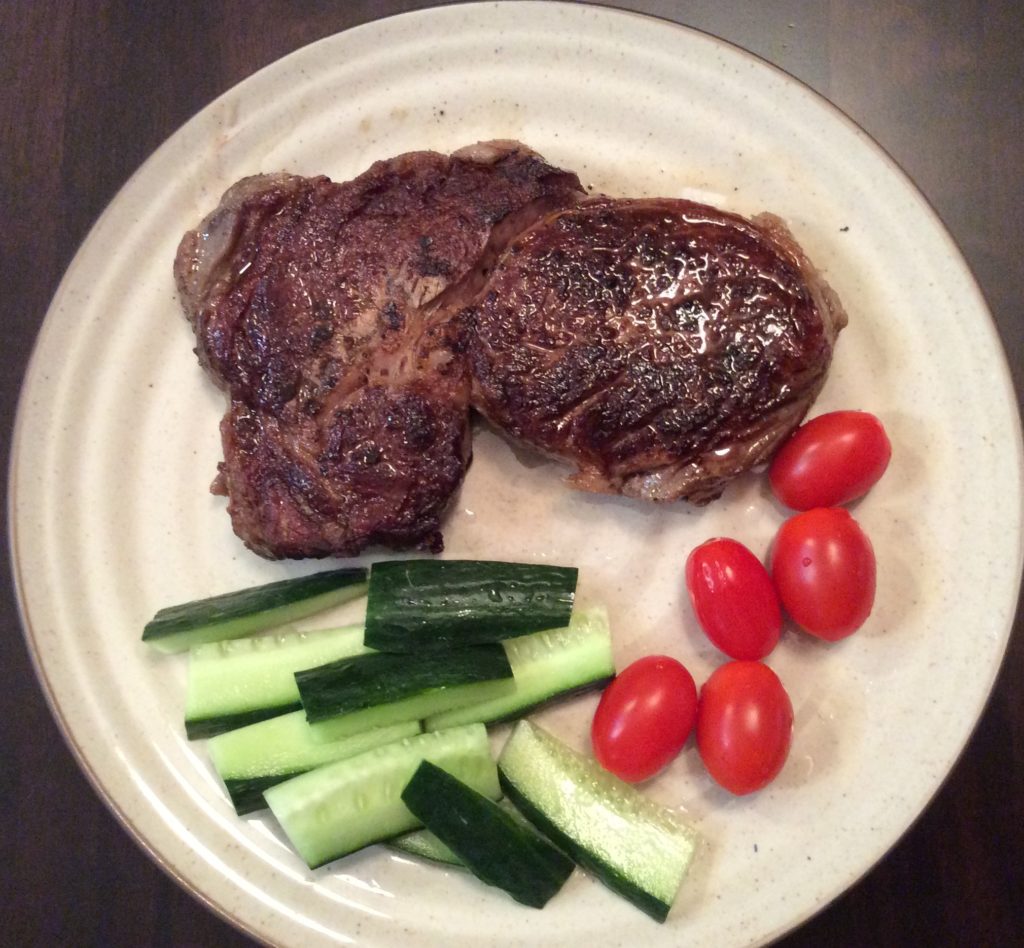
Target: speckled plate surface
x,y
117,442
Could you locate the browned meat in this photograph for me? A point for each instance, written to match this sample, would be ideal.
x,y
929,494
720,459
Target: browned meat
x,y
661,346
323,311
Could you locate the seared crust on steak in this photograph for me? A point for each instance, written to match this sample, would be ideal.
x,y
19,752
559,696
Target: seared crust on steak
x,y
661,346
322,309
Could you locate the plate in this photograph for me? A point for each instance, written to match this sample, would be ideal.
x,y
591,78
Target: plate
x,y
116,443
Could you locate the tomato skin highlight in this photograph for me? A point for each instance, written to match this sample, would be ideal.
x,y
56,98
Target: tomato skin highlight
x,y
744,726
644,718
823,567
830,460
733,598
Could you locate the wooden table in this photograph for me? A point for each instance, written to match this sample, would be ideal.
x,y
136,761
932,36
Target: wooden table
x,y
91,88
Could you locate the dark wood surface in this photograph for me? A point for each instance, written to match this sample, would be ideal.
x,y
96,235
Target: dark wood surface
x,y
90,88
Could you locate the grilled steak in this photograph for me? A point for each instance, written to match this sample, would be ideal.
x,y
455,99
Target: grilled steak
x,y
660,346
323,310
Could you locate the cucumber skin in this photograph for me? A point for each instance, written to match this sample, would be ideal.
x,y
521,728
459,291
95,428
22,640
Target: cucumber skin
x,y
315,790
246,793
426,845
246,611
197,729
615,881
439,604
365,681
589,642
652,905
469,714
222,675
493,846
251,761
416,708
596,685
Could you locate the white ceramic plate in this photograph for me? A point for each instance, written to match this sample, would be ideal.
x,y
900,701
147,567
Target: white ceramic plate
x,y
117,441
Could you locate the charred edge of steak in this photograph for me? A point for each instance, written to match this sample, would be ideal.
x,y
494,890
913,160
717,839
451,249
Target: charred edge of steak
x,y
826,300
324,310
660,346
365,486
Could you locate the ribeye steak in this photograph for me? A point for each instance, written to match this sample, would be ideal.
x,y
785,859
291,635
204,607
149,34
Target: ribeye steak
x,y
660,346
323,310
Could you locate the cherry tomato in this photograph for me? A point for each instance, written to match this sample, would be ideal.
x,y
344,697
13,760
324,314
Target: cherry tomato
x,y
733,598
644,717
830,460
824,570
744,726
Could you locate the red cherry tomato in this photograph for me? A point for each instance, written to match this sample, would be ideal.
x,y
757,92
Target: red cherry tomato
x,y
744,726
824,570
733,598
644,717
830,460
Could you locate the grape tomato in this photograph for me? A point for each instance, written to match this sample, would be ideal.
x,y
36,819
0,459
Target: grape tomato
x,y
733,598
823,567
744,726
644,718
830,460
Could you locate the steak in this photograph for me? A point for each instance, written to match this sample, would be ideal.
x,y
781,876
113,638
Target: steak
x,y
660,346
323,310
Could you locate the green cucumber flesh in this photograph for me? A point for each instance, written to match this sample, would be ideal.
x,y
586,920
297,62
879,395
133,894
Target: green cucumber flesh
x,y
341,807
383,678
494,846
247,611
427,705
239,682
633,845
252,759
545,666
425,845
437,604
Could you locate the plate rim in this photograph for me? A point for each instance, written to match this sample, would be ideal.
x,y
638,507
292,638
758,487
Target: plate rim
x,y
32,370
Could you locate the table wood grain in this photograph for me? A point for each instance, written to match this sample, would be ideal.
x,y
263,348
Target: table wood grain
x,y
90,88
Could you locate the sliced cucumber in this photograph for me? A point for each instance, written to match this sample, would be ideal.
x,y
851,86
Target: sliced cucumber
x,y
254,758
232,615
381,678
426,705
239,682
636,847
436,604
425,845
495,847
344,806
546,666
